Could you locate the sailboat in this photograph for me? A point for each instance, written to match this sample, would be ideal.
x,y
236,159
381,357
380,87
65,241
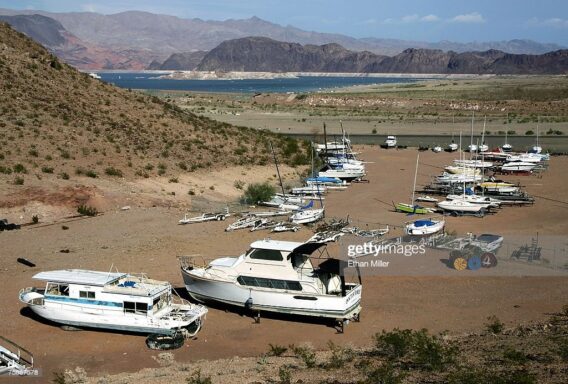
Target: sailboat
x,y
452,147
412,208
472,147
424,227
536,148
483,147
309,214
506,147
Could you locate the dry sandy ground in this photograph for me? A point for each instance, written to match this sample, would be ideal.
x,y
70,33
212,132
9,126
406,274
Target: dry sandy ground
x,y
147,239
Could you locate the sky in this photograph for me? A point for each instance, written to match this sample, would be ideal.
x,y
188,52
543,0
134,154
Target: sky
x,y
421,20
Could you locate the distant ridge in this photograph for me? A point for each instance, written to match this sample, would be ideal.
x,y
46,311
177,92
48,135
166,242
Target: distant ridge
x,y
134,39
259,54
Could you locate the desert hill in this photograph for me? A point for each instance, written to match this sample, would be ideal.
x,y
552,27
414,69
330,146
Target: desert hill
x,y
59,122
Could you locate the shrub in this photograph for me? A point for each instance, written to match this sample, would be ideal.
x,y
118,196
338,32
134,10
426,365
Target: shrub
x,y
35,219
374,131
394,344
562,348
86,210
5,170
418,347
385,374
256,192
239,184
196,378
111,171
19,181
64,175
173,180
91,173
515,356
47,169
191,192
529,132
19,168
494,325
306,354
284,375
276,350
339,355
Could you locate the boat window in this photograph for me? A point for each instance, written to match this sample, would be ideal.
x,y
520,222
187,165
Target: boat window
x,y
269,283
133,307
266,254
57,289
86,295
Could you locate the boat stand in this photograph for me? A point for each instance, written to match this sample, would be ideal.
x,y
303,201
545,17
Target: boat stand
x,y
340,324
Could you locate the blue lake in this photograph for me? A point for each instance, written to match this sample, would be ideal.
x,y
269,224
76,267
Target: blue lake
x,y
140,80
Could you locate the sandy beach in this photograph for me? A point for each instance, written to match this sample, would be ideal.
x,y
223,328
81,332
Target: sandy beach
x,y
148,239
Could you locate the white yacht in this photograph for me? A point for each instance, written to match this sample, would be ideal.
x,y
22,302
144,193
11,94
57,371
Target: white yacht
x,y
112,300
277,276
341,172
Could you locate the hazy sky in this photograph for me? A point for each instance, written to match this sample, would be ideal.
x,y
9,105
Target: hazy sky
x,y
435,20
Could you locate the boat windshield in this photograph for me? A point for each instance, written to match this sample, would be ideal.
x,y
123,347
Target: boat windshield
x,y
57,289
265,254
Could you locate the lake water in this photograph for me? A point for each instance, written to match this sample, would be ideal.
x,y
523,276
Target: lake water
x,y
144,80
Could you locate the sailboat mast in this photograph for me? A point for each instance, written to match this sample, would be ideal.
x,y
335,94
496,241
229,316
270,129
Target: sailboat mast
x,y
471,140
277,170
325,138
415,175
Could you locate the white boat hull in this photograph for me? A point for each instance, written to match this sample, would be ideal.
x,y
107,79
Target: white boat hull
x,y
424,230
75,313
270,300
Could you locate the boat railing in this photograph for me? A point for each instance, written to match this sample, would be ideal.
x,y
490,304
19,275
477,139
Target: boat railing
x,y
24,356
190,262
35,300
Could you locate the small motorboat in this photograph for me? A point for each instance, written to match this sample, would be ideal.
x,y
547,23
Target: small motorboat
x,y
307,216
437,149
427,199
390,142
424,227
277,276
285,227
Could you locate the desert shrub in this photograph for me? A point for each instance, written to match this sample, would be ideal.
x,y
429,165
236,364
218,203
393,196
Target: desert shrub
x,y
91,173
374,131
284,375
111,171
384,374
339,355
239,184
191,192
19,180
5,170
394,344
182,166
173,180
562,348
494,325
478,376
529,132
65,155
196,378
86,210
276,350
417,348
306,354
19,168
64,175
256,192
47,169
514,356
35,219
33,152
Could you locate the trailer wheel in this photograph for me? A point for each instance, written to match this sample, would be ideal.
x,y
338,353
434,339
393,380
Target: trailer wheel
x,y
474,263
165,342
488,260
460,264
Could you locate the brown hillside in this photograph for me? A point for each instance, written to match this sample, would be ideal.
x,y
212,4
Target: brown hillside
x,y
56,120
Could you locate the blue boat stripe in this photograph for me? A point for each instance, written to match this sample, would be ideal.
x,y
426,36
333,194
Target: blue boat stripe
x,y
83,301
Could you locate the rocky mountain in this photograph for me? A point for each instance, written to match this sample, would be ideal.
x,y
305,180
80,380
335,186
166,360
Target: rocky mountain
x,y
135,39
180,61
59,122
257,54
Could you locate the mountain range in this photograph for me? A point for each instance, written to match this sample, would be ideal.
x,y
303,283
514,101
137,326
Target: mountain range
x,y
261,54
137,40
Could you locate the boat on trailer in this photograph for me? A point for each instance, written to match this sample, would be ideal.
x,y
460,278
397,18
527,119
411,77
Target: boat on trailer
x,y
424,227
112,300
277,276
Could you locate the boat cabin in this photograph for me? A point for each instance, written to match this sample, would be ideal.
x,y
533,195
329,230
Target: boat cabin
x,y
132,294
